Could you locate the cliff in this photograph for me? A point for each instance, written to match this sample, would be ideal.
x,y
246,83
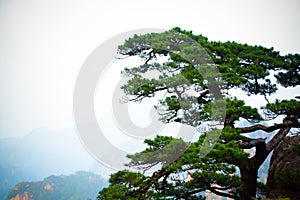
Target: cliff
x,y
284,171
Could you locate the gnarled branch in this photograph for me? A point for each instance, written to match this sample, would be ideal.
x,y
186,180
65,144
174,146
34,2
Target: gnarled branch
x,y
269,128
252,143
215,191
277,138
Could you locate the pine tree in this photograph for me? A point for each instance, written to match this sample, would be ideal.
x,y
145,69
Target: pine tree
x,y
211,70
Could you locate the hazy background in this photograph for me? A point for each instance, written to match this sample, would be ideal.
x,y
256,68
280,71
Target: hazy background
x,y
44,43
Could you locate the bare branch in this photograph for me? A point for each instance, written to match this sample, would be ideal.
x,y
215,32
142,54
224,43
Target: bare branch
x,y
202,95
213,190
187,194
269,128
155,177
262,151
265,96
151,55
277,138
139,97
252,143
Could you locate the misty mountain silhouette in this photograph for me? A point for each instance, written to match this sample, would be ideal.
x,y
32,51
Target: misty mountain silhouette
x,y
42,153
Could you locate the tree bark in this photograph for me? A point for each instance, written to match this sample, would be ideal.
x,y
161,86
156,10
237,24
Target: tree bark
x,y
249,169
249,182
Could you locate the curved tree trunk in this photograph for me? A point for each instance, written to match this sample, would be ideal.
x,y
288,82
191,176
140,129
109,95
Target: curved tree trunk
x,y
249,183
249,168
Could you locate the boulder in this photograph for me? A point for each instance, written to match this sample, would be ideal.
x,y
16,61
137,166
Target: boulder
x,y
284,171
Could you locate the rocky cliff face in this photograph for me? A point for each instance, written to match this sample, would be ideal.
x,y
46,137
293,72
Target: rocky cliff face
x,y
284,172
22,197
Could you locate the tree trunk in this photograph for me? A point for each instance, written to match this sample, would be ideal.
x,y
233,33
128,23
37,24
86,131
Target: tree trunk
x,y
249,183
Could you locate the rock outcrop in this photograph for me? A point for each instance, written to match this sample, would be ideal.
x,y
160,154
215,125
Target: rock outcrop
x,y
22,197
284,172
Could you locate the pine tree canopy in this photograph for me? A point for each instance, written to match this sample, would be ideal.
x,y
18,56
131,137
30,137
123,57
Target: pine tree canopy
x,y
198,77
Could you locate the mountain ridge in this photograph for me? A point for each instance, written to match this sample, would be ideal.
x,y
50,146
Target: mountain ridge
x,y
41,153
78,186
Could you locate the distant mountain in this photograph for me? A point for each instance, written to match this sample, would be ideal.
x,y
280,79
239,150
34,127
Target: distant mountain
x,y
9,176
46,152
79,186
41,153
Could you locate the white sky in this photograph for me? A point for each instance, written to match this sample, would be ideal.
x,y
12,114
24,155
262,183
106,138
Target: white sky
x,y
44,43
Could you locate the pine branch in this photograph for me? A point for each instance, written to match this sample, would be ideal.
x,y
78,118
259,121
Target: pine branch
x,y
252,143
215,191
269,128
187,194
263,151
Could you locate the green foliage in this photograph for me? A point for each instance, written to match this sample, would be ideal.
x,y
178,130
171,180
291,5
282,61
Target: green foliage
x,y
291,74
296,148
261,190
162,150
288,179
236,109
202,172
284,107
123,183
195,79
115,191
